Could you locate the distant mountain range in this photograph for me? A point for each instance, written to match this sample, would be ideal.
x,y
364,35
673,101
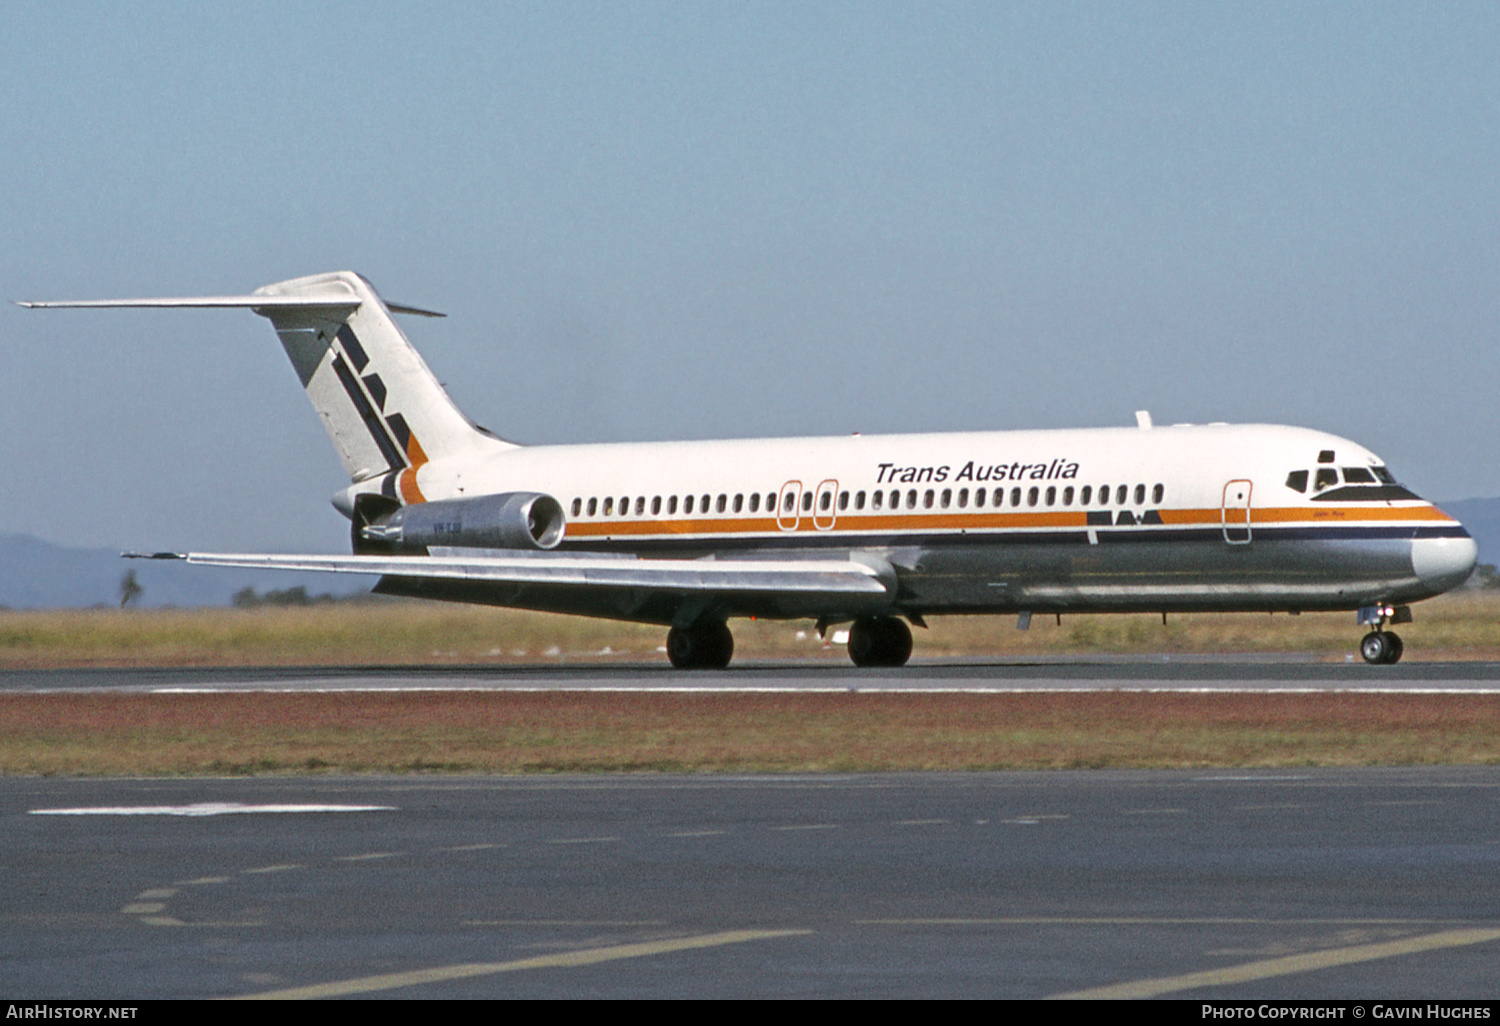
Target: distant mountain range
x,y
39,575
35,574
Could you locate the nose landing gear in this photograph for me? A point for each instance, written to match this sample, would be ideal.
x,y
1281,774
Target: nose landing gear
x,y
1382,647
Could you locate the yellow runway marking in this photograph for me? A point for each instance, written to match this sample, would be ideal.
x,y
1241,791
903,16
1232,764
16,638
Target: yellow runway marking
x,y
369,856
1147,921
566,960
1286,966
274,869
141,908
565,922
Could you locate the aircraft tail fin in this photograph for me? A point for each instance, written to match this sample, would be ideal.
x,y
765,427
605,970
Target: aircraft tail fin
x,y
385,411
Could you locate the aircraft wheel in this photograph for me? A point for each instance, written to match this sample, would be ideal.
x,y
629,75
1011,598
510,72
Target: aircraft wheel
x,y
1394,647
862,643
720,647
1375,648
882,641
704,646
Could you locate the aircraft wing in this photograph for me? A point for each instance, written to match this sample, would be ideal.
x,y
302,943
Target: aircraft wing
x,y
784,576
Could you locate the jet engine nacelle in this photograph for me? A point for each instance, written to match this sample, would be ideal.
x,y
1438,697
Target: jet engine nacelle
x,y
510,520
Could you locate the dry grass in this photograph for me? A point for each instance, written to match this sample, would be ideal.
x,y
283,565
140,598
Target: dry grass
x,y
1463,626
499,732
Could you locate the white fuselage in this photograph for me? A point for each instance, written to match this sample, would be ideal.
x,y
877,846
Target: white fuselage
x,y
1167,518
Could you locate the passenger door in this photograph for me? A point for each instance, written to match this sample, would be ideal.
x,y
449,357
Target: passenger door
x,y
1234,513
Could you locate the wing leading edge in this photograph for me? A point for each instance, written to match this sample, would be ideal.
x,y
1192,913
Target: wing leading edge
x,y
657,590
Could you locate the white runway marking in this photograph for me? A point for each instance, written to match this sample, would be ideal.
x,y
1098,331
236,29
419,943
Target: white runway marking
x,y
205,809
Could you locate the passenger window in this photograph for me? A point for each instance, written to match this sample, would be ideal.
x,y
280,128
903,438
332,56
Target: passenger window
x,y
859,500
609,505
655,505
1085,495
1031,497
1068,496
963,498
1157,494
640,506
875,499
755,502
1358,475
1140,495
723,502
927,499
843,500
1104,495
947,497
671,505
825,501
911,499
978,497
791,500
807,498
687,504
1327,478
1121,493
1052,495
577,507
593,506
739,502
703,505
1015,496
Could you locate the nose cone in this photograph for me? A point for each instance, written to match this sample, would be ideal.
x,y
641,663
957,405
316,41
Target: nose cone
x,y
1443,563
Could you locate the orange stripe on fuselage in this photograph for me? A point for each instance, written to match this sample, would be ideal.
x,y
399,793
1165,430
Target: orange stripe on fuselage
x,y
916,522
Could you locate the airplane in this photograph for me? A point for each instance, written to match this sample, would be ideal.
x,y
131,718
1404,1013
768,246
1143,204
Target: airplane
x,y
877,531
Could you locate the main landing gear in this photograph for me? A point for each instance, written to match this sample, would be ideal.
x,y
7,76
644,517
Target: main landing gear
x,y
703,646
879,641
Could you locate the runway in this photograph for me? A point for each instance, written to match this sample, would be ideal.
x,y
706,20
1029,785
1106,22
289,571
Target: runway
x,y
1368,883
1181,674
1229,885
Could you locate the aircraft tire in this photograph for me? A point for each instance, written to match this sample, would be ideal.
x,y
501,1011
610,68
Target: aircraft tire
x,y
1394,648
704,646
879,641
897,637
1375,648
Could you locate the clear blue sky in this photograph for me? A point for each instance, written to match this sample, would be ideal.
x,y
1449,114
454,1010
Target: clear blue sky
x,y
703,220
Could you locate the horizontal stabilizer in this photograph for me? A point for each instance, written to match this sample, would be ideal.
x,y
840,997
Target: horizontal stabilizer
x,y
331,301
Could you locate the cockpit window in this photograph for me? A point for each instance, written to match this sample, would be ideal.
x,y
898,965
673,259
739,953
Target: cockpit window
x,y
1383,474
1327,478
1297,480
1358,475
